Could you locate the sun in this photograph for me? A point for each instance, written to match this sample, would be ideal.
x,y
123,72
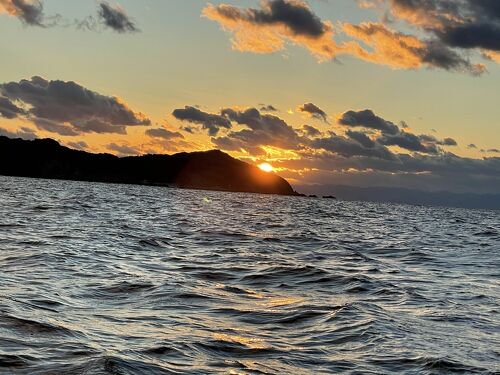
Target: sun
x,y
266,167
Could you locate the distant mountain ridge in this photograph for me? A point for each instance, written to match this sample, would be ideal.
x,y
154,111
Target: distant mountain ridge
x,y
210,170
407,196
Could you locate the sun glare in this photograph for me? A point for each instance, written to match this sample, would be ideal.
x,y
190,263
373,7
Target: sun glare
x,y
266,167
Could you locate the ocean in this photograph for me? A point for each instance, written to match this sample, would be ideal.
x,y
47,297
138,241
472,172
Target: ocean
x,y
121,279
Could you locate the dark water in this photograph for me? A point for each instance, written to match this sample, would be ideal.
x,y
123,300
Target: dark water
x,y
114,279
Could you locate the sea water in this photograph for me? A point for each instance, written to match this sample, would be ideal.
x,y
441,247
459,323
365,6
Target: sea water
x,y
121,279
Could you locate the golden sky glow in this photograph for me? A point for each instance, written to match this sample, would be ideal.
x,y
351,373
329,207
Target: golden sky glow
x,y
263,88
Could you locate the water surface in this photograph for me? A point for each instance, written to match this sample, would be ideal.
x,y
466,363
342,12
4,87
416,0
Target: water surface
x,y
121,279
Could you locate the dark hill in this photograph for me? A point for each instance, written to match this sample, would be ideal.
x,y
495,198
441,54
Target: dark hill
x,y
211,170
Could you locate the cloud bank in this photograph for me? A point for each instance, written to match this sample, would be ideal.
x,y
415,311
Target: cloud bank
x,y
370,150
23,133
449,27
67,108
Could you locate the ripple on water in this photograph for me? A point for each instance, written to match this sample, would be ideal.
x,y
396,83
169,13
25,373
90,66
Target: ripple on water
x,y
118,279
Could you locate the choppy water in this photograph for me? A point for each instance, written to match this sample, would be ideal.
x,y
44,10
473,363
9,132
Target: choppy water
x,y
116,279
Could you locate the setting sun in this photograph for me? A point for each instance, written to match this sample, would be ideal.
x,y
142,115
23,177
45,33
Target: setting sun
x,y
266,167
266,177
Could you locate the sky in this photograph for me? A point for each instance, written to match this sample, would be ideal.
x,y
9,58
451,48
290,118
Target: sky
x,y
366,93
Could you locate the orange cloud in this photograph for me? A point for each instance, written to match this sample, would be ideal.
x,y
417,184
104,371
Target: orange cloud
x,y
278,22
267,30
466,24
402,51
389,48
492,55
28,11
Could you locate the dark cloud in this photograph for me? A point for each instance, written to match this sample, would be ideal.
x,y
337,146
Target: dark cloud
x,y
55,127
30,12
364,154
349,147
310,131
116,18
314,111
123,149
433,140
436,54
266,30
8,109
361,138
405,51
444,164
209,121
429,139
268,108
163,133
408,141
481,35
491,150
252,118
444,171
448,163
268,130
465,24
367,119
472,145
79,145
96,125
263,130
188,129
449,142
23,132
294,15
244,140
391,134
163,139
68,108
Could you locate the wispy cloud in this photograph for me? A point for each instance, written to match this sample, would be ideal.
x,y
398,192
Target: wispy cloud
x,y
313,111
31,13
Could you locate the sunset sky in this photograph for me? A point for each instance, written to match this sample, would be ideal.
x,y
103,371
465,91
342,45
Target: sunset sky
x,y
366,93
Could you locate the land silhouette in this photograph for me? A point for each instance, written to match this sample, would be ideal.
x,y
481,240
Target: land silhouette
x,y
209,170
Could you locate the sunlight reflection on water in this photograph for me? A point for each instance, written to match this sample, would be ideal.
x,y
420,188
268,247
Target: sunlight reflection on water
x,y
116,279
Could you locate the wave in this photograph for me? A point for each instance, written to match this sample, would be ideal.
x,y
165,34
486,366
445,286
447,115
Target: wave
x,y
117,279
